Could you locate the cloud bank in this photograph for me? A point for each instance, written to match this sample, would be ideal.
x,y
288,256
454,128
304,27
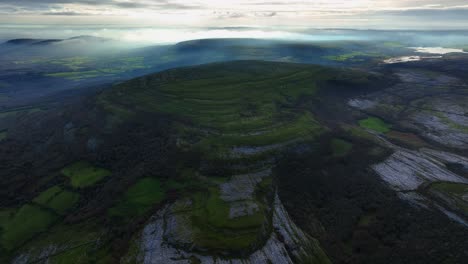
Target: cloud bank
x,y
414,14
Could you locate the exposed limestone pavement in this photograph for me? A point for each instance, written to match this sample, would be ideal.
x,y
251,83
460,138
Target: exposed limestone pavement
x,y
407,170
433,106
239,191
429,103
286,244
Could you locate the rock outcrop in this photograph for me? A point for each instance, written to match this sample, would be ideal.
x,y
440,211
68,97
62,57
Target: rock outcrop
x,y
433,106
407,170
286,244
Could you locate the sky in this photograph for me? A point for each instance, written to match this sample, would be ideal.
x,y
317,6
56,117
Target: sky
x,y
374,14
167,21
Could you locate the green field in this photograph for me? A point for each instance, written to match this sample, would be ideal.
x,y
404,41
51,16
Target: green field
x,y
139,198
83,174
78,242
18,226
57,199
47,195
63,201
77,75
81,68
376,124
28,221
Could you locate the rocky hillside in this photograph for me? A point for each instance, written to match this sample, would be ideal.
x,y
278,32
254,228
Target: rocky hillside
x,y
238,162
175,165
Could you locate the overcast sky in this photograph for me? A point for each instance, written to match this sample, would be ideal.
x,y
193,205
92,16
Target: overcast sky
x,y
378,14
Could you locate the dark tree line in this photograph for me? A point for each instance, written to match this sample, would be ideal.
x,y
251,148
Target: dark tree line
x,y
356,217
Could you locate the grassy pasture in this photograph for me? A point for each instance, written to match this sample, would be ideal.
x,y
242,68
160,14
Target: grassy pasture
x,y
28,221
81,68
83,174
376,124
139,198
57,199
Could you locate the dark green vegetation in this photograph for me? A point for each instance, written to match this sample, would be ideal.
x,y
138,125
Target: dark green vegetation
x,y
357,218
340,147
83,174
94,174
208,123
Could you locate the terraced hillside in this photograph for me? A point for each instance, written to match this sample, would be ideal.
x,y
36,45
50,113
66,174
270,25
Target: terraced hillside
x,y
137,198
238,117
227,111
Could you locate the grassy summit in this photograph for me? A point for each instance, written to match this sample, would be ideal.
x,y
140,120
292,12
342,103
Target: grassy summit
x,y
231,109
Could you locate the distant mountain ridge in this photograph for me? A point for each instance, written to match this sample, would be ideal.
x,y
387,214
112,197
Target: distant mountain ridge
x,y
35,42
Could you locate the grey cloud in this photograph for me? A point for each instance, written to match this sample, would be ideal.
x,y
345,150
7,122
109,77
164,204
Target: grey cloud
x,y
266,14
445,14
228,14
46,4
233,14
64,14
